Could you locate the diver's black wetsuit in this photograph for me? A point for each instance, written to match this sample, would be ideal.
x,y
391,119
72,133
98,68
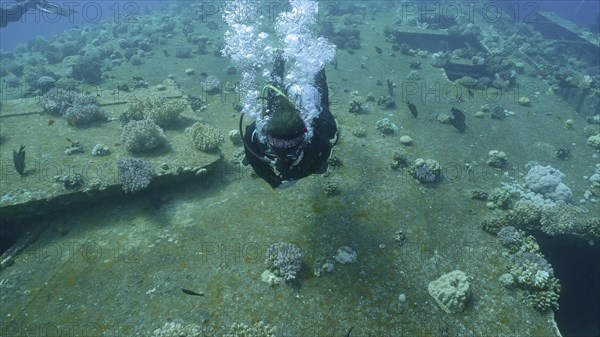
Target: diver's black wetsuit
x,y
316,152
15,11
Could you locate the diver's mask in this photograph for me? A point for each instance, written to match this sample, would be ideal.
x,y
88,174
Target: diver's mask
x,y
285,131
284,153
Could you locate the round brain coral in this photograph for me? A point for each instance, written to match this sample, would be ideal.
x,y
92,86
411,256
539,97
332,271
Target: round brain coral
x,y
451,291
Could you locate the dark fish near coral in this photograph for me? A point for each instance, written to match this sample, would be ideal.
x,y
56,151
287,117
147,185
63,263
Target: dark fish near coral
x,y
378,50
19,159
459,120
412,108
390,86
191,292
50,122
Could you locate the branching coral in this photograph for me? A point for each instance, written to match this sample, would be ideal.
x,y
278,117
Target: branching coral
x,y
142,136
160,110
205,137
284,259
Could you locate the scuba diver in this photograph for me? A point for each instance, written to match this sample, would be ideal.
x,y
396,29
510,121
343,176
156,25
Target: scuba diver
x,y
287,154
14,12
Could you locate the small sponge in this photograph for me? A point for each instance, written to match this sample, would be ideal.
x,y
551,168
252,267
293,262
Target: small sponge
x,y
451,291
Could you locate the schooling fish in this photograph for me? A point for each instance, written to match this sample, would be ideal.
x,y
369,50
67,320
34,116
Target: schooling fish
x,y
378,50
459,120
413,109
19,160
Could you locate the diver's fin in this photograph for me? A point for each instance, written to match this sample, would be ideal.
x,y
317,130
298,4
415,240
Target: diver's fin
x,y
278,67
321,84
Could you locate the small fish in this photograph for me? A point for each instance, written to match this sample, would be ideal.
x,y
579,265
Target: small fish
x,y
349,331
117,144
378,50
73,143
471,93
19,160
560,120
50,122
191,292
413,109
165,52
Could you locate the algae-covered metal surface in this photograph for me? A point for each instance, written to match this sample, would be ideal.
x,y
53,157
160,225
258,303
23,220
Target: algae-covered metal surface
x,y
118,268
45,137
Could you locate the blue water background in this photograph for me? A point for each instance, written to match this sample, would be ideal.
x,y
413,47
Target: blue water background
x,y
582,12
89,12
